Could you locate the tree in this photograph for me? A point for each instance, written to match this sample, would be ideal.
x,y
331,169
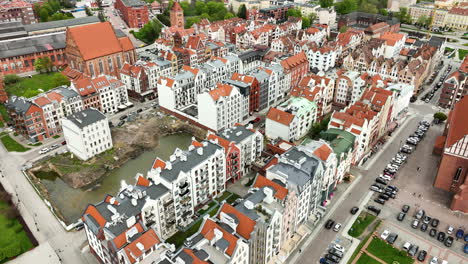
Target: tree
x,y
99,4
346,6
312,17
43,64
293,12
422,20
326,3
101,16
368,7
59,80
200,7
343,29
149,32
404,16
43,15
440,116
88,11
191,20
229,15
306,22
242,12
383,11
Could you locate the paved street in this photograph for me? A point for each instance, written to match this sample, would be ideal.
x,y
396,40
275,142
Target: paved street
x,y
373,167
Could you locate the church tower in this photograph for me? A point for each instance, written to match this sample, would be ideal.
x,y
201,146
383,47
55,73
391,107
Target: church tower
x,y
177,15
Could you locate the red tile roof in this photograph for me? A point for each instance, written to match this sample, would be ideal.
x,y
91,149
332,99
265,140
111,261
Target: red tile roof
x,y
97,40
148,240
197,144
208,232
391,38
41,101
280,116
142,181
294,61
195,259
262,181
458,120
459,11
121,239
220,90
159,163
93,211
245,225
323,152
177,7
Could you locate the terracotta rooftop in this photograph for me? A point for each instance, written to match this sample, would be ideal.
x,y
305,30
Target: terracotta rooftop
x,y
148,240
280,116
220,90
262,181
245,226
323,152
208,232
457,122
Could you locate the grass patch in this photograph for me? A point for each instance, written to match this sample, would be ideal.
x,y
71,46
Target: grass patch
x,y
56,136
13,239
366,259
11,145
178,238
232,198
361,223
466,44
1,124
210,205
462,53
29,87
214,210
363,242
387,253
447,49
4,113
65,164
223,197
35,144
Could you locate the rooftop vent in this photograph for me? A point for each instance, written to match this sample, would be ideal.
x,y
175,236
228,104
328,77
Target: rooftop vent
x,y
134,202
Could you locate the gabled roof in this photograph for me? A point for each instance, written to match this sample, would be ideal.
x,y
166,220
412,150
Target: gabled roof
x,y
323,152
146,241
220,90
245,226
262,181
97,40
280,116
208,232
458,120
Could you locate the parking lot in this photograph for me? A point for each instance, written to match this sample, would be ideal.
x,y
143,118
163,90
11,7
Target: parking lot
x,y
415,181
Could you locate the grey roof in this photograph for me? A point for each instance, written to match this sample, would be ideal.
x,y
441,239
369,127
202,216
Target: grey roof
x,y
119,33
260,75
19,104
133,2
66,92
235,134
33,44
10,30
222,244
183,75
154,191
185,257
252,53
86,117
192,160
201,254
61,23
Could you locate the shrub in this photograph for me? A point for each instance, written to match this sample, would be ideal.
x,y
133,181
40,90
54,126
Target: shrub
x,y
440,116
11,79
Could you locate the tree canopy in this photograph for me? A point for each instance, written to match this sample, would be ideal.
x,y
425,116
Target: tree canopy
x,y
346,6
43,64
326,3
242,12
50,10
440,116
149,32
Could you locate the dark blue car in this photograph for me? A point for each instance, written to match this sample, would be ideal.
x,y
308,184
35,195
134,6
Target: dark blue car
x,y
466,238
460,233
465,249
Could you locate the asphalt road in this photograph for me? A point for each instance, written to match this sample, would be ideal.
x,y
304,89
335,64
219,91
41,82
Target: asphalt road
x,y
315,250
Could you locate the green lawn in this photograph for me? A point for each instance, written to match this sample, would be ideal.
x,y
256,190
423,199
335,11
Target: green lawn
x,y
361,223
178,238
363,242
29,87
11,145
462,53
366,259
4,114
13,239
388,253
210,205
35,144
466,44
223,197
232,198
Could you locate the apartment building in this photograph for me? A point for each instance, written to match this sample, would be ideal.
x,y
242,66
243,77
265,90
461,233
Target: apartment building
x,y
193,177
344,145
320,59
454,87
27,118
349,87
126,228
87,133
319,89
134,12
222,107
17,10
291,120
52,112
248,141
302,174
394,43
297,66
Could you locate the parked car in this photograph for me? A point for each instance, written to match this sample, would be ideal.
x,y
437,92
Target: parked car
x,y
374,209
460,233
401,216
64,142
434,260
329,224
420,214
335,252
424,227
43,151
337,227
384,197
426,219
379,201
415,224
385,234
413,250
405,208
433,232
121,123
441,236
79,226
54,146
123,117
339,247
392,238
375,189
449,241
434,222
332,257
381,181
422,255
466,238
465,249
354,210
407,246
256,120
450,230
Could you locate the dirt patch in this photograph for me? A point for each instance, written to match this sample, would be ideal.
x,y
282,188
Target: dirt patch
x,y
129,141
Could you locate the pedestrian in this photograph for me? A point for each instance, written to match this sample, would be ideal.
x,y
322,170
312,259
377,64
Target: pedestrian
x,y
419,195
300,250
419,168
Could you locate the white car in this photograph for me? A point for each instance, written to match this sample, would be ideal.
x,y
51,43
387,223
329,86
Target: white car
x,y
407,246
337,227
339,248
43,151
434,260
385,177
54,146
385,234
450,230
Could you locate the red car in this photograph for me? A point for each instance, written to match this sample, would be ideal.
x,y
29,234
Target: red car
x,y
64,143
257,119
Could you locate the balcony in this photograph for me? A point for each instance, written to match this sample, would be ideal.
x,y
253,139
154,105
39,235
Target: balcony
x,y
184,185
181,194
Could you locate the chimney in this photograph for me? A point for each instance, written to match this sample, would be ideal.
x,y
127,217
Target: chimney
x,y
200,151
134,202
